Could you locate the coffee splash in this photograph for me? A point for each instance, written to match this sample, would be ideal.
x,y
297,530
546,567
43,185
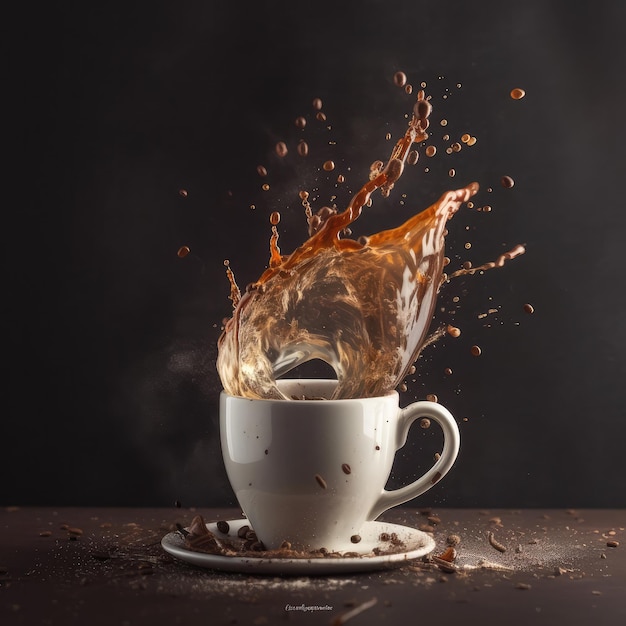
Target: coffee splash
x,y
364,307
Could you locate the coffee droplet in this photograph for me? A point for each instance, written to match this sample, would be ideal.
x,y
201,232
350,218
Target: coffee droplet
x,y
517,93
399,79
329,166
274,218
431,151
507,182
183,251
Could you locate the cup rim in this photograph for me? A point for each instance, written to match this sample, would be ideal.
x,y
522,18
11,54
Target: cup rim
x,y
282,382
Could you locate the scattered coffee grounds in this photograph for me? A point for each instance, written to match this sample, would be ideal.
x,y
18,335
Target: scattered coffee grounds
x,y
346,469
320,481
199,538
494,543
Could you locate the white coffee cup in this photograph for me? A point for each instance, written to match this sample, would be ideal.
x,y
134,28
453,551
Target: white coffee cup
x,y
313,471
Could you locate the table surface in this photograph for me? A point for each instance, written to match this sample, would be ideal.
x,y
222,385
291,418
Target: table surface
x,y
106,566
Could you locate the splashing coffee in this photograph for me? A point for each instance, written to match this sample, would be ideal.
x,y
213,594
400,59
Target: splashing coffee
x,y
364,307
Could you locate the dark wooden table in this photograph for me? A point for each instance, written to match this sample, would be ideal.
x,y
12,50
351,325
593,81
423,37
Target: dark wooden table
x,y
93,566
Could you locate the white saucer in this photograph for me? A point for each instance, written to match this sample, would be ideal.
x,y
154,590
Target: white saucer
x,y
415,544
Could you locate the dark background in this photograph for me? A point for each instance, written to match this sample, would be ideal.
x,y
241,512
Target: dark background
x,y
111,390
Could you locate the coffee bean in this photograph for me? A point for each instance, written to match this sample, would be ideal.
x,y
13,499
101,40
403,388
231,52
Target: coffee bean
x,y
507,182
612,544
399,79
517,93
346,468
320,481
302,148
494,543
425,423
223,527
241,533
355,538
281,149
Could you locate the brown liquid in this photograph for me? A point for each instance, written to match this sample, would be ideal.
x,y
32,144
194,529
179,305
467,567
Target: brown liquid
x,y
364,307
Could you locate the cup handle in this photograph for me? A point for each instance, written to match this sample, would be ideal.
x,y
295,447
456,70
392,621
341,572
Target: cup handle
x,y
451,442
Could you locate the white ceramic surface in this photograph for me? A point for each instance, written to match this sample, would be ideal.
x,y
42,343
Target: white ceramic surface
x,y
415,544
288,461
